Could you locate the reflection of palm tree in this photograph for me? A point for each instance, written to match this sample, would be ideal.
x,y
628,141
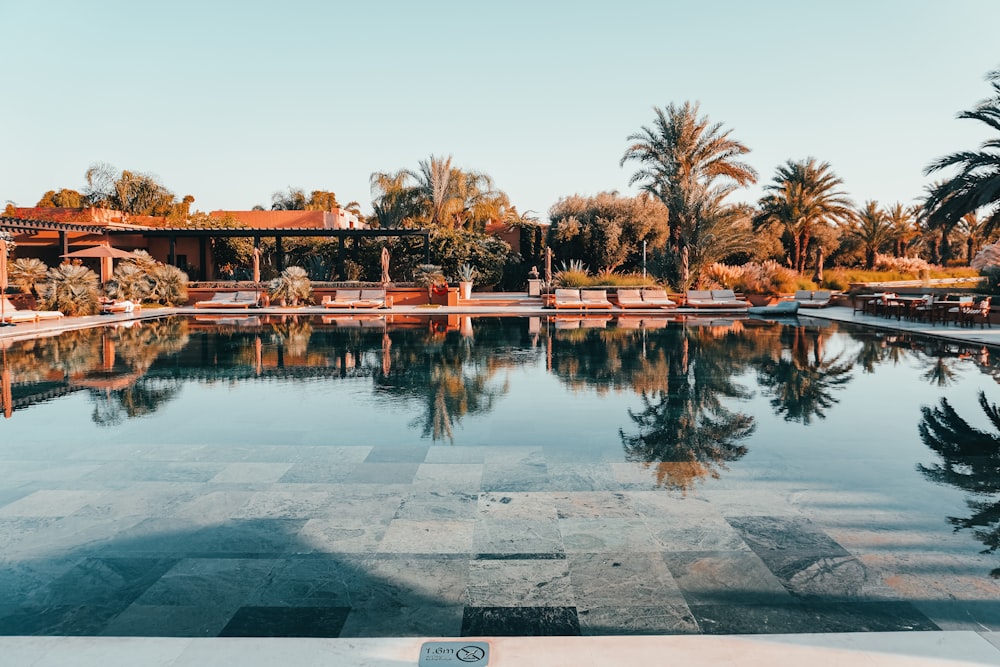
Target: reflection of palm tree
x,y
683,428
940,372
971,461
801,388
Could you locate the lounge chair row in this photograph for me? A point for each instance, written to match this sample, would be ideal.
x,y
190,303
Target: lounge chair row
x,y
581,299
644,298
14,315
716,298
243,299
356,298
810,299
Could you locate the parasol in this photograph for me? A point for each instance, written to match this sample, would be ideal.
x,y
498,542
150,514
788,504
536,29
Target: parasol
x,y
385,265
3,284
105,253
256,265
548,266
6,394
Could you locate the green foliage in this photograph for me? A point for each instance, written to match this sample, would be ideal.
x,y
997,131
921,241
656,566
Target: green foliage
x,y
169,285
72,289
294,199
292,286
466,273
131,192
607,231
450,248
27,272
428,275
62,199
130,281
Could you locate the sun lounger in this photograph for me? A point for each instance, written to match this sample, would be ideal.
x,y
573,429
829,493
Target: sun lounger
x,y
226,300
629,298
657,298
342,298
13,314
817,299
595,298
568,298
371,298
717,298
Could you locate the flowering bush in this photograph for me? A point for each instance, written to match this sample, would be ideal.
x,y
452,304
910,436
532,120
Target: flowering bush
x,y
768,277
914,265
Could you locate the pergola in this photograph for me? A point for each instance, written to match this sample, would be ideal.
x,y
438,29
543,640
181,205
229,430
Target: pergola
x,y
48,233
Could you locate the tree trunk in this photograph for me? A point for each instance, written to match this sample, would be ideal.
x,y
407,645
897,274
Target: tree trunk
x,y
818,276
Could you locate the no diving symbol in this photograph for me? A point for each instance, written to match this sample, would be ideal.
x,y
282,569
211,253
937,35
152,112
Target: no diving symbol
x,y
456,654
470,654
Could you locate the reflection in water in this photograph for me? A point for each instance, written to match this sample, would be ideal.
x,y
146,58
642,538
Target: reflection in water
x,y
970,461
682,378
801,384
683,429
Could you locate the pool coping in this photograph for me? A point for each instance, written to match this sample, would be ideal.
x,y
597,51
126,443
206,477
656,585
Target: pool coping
x,y
912,649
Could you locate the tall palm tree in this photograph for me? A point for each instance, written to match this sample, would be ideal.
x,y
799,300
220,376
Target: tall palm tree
x,y
801,197
975,231
872,230
903,220
976,186
691,165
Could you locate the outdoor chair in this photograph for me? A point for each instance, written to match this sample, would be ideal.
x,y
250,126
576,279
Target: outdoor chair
x,y
13,314
568,298
629,298
595,298
657,298
371,298
977,312
342,298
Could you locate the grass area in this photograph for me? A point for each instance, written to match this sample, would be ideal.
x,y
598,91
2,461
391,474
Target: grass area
x,y
841,279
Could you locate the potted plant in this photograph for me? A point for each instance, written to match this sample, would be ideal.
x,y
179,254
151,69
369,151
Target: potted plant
x,y
291,287
431,277
466,274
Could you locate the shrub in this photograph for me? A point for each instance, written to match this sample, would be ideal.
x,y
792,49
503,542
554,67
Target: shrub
x,y
169,285
292,286
767,277
72,289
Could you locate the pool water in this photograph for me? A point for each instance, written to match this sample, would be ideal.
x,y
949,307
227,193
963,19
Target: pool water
x,y
453,476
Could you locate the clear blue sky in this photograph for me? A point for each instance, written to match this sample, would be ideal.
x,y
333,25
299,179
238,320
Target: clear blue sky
x,y
231,101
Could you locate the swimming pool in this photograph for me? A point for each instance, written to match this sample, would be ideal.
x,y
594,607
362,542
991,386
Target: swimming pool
x,y
446,476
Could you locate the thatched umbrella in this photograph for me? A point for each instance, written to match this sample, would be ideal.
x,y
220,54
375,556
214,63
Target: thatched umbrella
x,y
106,254
385,265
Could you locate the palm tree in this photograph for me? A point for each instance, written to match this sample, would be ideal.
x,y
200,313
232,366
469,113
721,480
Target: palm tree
x,y
872,230
392,198
977,184
691,166
802,197
973,228
903,220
